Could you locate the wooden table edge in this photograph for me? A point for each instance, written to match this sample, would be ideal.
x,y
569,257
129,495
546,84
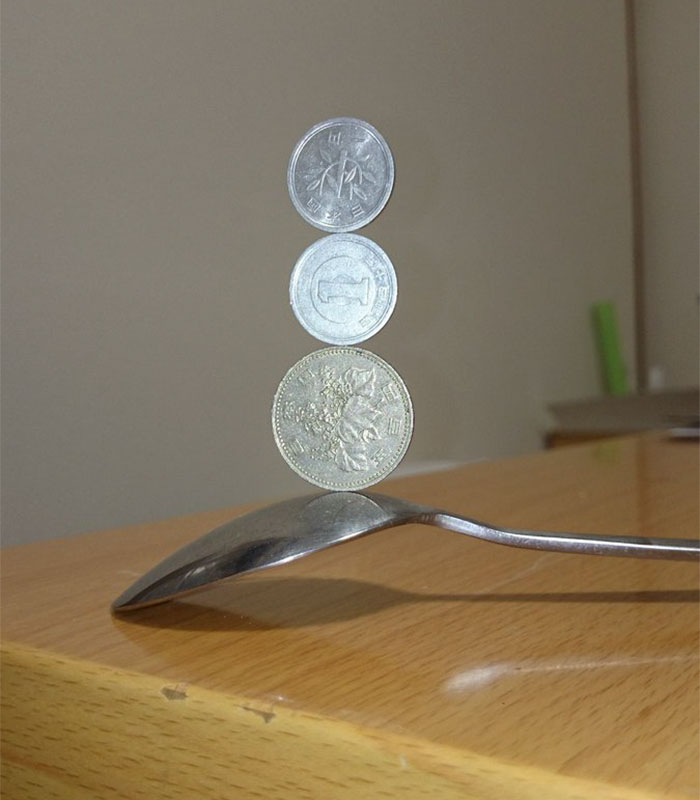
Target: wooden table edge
x,y
104,730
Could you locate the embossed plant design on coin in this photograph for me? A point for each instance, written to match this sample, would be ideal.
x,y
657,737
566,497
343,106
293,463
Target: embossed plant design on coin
x,y
341,174
342,418
343,289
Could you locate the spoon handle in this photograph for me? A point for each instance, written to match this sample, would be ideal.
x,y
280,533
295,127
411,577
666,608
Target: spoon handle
x,y
588,544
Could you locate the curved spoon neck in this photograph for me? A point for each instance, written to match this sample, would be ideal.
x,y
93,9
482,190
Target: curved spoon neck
x,y
582,543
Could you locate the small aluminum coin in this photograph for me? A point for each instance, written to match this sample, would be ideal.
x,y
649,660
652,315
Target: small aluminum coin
x,y
342,418
343,288
341,174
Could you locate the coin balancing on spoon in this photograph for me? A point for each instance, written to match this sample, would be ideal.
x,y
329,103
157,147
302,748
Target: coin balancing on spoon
x,y
342,418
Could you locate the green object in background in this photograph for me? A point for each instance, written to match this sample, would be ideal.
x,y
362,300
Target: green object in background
x,y
613,366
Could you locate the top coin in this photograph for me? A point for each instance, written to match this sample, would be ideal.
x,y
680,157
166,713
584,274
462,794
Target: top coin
x,y
341,174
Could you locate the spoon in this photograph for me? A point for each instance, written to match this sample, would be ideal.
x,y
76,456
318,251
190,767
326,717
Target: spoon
x,y
294,528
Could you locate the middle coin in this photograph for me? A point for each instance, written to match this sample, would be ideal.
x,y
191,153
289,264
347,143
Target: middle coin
x,y
343,288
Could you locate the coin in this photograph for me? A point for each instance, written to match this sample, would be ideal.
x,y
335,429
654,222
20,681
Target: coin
x,y
343,288
342,418
341,174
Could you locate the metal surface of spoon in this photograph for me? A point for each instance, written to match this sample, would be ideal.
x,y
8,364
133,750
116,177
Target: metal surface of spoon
x,y
294,528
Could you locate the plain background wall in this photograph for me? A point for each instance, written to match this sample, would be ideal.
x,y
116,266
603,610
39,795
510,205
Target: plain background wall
x,y
668,74
149,238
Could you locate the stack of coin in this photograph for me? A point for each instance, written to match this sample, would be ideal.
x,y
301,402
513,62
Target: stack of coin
x,y
342,417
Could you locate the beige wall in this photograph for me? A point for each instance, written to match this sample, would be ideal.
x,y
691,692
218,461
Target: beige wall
x,y
667,47
149,237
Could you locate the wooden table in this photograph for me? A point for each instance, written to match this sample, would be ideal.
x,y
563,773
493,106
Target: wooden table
x,y
411,664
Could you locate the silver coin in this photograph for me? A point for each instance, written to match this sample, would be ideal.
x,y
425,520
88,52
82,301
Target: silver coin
x,y
341,174
342,418
343,288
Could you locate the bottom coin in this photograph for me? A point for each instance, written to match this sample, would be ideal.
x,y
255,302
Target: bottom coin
x,y
342,418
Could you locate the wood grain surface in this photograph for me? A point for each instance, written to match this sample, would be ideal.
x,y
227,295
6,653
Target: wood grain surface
x,y
413,663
